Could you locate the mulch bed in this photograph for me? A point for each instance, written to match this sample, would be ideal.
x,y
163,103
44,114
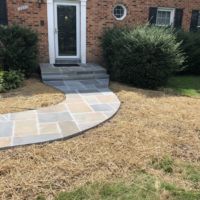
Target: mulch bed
x,y
32,95
149,125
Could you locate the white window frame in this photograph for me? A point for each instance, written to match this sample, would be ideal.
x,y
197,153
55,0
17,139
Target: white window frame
x,y
172,15
125,12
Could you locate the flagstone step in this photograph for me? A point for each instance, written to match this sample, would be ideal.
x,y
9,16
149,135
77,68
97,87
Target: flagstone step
x,y
75,70
83,72
92,85
74,77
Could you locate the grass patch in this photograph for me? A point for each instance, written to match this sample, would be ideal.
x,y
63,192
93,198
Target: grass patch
x,y
176,193
192,173
141,187
185,85
165,164
40,198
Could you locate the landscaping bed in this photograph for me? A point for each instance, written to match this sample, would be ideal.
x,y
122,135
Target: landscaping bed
x,y
149,126
32,95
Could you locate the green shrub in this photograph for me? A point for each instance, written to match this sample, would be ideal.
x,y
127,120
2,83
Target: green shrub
x,y
191,47
143,56
18,48
10,80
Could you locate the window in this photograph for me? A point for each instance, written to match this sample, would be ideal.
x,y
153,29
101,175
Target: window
x,y
3,13
198,23
165,17
195,21
120,12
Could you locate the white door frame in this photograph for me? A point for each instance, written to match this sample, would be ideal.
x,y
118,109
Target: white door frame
x,y
51,29
77,29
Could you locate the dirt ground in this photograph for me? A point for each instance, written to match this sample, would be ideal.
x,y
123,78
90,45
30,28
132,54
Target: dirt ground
x,y
149,125
33,94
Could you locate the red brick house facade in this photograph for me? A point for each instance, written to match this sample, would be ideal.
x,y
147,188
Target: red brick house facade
x,y
92,17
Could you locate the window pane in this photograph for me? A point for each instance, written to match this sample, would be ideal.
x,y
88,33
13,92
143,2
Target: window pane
x,y
163,18
67,30
198,24
119,12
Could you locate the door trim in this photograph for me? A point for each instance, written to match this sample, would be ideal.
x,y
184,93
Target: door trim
x,y
51,26
77,30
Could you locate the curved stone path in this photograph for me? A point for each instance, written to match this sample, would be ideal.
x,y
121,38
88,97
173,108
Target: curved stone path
x,y
88,103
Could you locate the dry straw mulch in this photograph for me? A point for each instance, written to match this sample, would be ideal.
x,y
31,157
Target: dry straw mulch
x,y
149,124
33,94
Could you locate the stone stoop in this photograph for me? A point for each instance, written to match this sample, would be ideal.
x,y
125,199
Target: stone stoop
x,y
83,72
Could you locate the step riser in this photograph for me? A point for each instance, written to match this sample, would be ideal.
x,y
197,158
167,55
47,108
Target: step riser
x,y
73,78
100,83
105,85
76,73
83,72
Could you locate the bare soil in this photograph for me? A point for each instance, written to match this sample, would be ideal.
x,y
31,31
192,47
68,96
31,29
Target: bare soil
x,y
149,124
32,95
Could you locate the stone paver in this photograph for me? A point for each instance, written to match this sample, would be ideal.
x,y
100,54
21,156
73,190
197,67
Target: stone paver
x,y
49,128
88,103
79,107
25,128
6,129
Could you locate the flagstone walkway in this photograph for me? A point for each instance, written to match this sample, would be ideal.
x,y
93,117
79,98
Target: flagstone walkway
x,y
88,103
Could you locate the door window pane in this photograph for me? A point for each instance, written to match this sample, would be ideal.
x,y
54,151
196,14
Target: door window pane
x,y
67,39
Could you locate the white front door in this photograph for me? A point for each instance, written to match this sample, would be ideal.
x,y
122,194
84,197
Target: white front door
x,y
67,30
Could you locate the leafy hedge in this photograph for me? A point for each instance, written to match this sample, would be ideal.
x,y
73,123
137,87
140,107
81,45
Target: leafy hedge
x,y
10,80
191,47
18,48
143,56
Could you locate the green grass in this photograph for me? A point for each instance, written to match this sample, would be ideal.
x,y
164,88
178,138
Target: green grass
x,y
185,85
192,173
165,164
179,193
140,186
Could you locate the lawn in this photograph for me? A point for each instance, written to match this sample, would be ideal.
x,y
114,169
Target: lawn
x,y
139,186
133,145
185,85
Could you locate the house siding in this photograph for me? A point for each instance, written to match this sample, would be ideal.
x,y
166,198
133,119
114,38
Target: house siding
x,y
99,17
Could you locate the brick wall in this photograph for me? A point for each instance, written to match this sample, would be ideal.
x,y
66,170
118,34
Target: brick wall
x,y
34,17
99,16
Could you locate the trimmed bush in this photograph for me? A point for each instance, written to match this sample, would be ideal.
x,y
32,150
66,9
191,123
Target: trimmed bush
x,y
18,49
143,56
191,47
10,80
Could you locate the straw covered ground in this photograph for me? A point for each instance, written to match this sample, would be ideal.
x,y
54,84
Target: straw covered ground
x,y
149,125
33,94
